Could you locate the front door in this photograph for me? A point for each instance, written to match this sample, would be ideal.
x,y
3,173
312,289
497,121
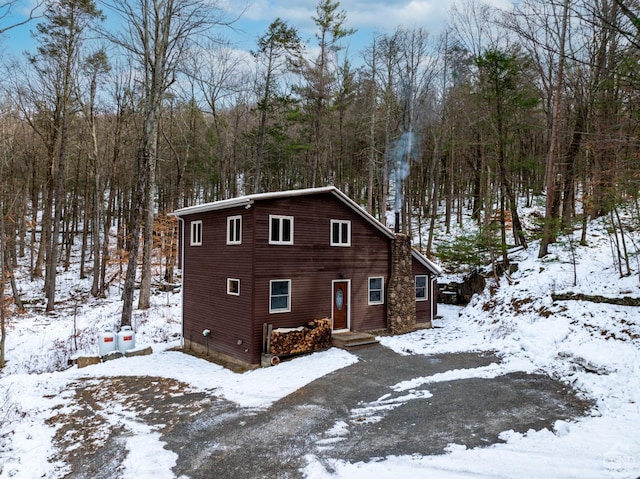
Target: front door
x,y
340,304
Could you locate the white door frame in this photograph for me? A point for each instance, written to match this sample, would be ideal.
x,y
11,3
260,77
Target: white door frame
x,y
333,289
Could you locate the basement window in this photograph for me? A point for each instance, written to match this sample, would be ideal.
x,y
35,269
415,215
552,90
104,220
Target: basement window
x,y
340,233
280,296
421,288
233,286
376,290
196,233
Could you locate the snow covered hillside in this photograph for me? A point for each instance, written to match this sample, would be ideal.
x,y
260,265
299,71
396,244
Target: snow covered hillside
x,y
594,346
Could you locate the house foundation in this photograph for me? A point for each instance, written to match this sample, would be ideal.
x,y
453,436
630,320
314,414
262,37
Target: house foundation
x,y
401,312
217,357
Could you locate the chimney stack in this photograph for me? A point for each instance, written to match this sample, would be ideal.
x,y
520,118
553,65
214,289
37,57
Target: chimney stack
x,y
401,312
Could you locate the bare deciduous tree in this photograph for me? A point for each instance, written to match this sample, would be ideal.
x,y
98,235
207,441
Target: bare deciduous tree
x,y
60,41
156,35
551,210
8,8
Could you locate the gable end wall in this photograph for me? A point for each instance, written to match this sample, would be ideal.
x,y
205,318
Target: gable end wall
x,y
312,264
206,304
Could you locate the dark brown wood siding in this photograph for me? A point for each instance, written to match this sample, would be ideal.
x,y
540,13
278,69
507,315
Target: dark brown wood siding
x,y
206,304
312,264
425,310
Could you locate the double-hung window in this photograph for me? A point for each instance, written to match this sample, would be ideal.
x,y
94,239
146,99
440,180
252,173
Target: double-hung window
x,y
421,288
196,233
376,290
280,296
280,229
340,233
234,230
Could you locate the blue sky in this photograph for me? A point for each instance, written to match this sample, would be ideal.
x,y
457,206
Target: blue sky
x,y
366,16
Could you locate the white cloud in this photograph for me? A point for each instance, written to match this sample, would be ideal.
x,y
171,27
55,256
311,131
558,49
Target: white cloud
x,y
366,16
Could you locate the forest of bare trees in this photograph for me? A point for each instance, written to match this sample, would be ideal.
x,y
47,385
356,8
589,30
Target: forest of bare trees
x,y
103,133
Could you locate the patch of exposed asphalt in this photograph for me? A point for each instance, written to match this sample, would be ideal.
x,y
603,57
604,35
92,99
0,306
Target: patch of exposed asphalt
x,y
353,414
91,434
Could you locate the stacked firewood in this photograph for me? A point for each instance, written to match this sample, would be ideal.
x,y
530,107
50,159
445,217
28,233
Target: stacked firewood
x,y
319,334
316,335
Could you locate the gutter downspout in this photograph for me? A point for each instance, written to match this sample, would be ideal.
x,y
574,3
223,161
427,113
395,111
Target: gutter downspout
x,y
182,263
253,279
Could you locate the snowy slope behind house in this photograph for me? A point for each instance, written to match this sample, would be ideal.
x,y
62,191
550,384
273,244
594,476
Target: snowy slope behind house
x,y
594,346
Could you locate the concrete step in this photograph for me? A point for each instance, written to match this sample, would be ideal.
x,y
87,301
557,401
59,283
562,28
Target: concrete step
x,y
353,340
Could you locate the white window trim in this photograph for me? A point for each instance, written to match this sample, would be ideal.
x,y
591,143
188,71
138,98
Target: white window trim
x,y
342,224
276,311
231,220
426,287
229,281
369,302
196,239
280,218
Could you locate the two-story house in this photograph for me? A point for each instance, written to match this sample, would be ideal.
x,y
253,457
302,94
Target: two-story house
x,y
284,259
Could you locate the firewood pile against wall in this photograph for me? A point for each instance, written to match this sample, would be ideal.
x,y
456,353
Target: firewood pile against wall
x,y
312,337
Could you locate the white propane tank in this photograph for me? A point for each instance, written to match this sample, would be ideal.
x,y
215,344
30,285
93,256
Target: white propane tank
x,y
106,343
126,339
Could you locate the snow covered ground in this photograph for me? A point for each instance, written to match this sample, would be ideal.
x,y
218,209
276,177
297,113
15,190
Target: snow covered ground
x,y
593,346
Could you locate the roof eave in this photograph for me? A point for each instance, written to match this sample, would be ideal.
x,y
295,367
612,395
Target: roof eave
x,y
362,212
426,262
248,200
216,205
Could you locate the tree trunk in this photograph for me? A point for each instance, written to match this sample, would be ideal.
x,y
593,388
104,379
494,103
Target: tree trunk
x,y
142,192
72,220
85,227
105,243
568,193
54,240
372,135
434,194
3,330
144,300
552,202
518,231
95,220
134,240
45,228
622,241
263,107
448,194
12,278
477,167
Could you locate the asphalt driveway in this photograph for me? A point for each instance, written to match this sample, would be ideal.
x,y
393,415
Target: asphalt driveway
x,y
354,414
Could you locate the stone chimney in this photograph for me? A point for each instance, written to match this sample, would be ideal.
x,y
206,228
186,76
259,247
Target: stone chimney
x,y
401,312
